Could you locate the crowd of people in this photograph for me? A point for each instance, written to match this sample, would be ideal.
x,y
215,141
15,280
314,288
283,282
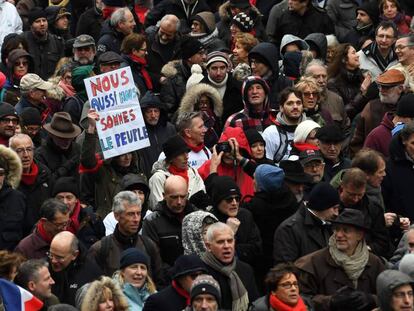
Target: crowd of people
x,y
280,170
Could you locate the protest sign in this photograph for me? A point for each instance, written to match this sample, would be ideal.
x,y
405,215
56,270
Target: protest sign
x,y
121,128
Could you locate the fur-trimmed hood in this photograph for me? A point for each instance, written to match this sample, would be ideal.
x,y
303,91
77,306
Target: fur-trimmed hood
x,y
94,292
169,70
193,94
225,13
56,92
11,162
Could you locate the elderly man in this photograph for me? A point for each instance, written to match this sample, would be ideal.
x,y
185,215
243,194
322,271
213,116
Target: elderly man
x,y
404,48
120,25
36,180
70,267
329,277
8,123
84,50
395,291
164,225
205,294
235,277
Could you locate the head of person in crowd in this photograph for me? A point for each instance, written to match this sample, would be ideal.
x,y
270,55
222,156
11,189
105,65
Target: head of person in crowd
x,y
255,94
190,125
389,9
79,74
330,139
62,131
243,22
311,94
407,139
58,19
34,276
317,45
34,89
367,15
244,42
291,43
304,136
127,211
168,29
153,110
9,264
194,231
406,264
185,270
64,75
11,42
176,194
346,58
109,61
227,143
38,22
64,250
225,196
54,217
8,122
84,49
123,21
23,145
257,145
193,51
221,242
313,164
353,186
291,106
282,287
205,294
394,291
138,184
66,190
134,272
237,6
324,201
176,152
19,63
405,109
217,67
268,178
263,60
391,86
202,23
135,46
373,164
319,72
332,47
404,48
295,177
104,294
385,35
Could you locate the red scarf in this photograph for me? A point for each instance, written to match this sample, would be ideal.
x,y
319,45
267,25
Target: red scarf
x,y
107,11
29,178
181,292
144,72
195,148
305,146
74,219
141,12
279,305
4,141
42,232
179,171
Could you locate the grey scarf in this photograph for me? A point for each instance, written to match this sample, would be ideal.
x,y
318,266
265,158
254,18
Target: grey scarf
x,y
238,291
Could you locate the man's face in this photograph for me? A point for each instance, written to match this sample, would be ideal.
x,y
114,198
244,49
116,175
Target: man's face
x,y
330,213
127,27
363,19
347,238
320,74
152,116
256,95
410,241
402,298
198,58
375,179
167,32
296,5
230,206
351,195
222,246
180,161
25,150
59,224
258,68
124,160
37,96
217,71
42,287
62,23
61,255
409,146
84,54
297,190
62,143
404,51
292,108
129,219
205,302
69,199
330,150
176,197
315,169
104,68
39,27
8,126
385,38
390,95
197,131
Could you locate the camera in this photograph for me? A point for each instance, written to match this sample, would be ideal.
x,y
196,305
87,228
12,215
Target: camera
x,y
223,146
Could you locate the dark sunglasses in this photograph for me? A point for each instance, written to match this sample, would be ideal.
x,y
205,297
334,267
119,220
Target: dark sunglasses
x,y
230,199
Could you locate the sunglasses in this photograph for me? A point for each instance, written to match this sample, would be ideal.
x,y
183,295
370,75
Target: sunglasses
x,y
230,199
15,121
2,172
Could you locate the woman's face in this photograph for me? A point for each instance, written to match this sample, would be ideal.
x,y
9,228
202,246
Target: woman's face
x,y
67,78
288,290
240,54
106,303
124,160
234,30
311,139
204,103
352,59
197,27
142,51
21,66
258,149
330,54
389,9
135,274
310,97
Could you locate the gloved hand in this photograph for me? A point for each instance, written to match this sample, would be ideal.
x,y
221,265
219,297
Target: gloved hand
x,y
362,301
340,300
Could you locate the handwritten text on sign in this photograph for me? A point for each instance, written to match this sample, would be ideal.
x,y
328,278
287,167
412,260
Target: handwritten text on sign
x,y
121,127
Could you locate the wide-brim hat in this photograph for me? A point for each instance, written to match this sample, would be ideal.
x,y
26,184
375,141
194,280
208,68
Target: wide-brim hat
x,y
351,217
62,126
294,172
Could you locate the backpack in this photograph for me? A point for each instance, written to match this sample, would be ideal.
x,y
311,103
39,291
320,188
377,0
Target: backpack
x,y
284,143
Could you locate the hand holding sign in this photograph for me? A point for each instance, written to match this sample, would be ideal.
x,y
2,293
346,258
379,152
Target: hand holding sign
x,y
93,116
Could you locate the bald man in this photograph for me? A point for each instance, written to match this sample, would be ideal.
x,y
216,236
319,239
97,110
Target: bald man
x,y
164,225
69,267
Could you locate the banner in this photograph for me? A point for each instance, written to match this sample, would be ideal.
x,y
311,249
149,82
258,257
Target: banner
x,y
121,127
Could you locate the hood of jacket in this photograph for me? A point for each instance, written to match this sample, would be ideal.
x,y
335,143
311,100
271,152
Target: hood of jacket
x,y
319,41
268,52
387,281
238,134
248,82
288,39
151,100
387,120
193,94
14,56
10,161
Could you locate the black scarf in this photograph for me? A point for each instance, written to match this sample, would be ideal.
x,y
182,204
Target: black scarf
x,y
125,241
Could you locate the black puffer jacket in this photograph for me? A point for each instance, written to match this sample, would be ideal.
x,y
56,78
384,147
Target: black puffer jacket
x,y
90,23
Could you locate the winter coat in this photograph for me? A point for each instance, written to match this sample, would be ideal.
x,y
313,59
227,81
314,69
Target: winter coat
x,y
110,39
321,277
333,103
43,110
136,74
299,235
269,210
164,228
46,54
91,227
402,21
275,13
380,137
368,63
90,23
397,184
74,105
11,21
318,41
342,14
331,169
167,299
33,246
161,173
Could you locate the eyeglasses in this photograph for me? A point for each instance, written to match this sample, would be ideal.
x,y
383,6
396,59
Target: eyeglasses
x,y
31,128
402,295
402,47
308,94
289,285
2,172
62,225
230,199
24,150
57,258
15,121
24,63
314,164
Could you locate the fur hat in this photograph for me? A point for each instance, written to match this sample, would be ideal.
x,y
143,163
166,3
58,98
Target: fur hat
x,y
174,146
186,265
190,46
35,13
30,116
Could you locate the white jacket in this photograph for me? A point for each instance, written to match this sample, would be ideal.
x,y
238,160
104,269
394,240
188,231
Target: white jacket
x,y
10,21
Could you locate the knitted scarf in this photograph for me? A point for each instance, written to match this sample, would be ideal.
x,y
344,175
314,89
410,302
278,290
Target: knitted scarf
x,y
74,219
238,291
29,178
179,171
144,72
220,86
353,265
181,292
42,232
67,88
279,305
